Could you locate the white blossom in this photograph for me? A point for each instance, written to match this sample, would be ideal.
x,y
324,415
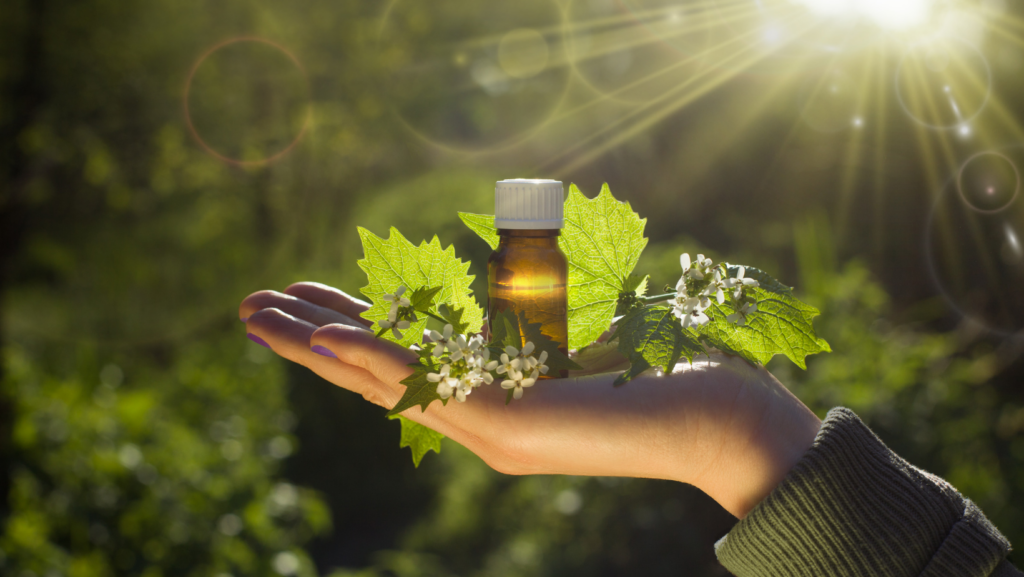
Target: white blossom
x,y
688,269
509,366
461,348
527,349
740,317
517,383
394,324
441,340
717,287
464,387
445,384
397,300
537,363
739,282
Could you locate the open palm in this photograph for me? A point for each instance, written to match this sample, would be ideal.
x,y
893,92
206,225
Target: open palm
x,y
720,424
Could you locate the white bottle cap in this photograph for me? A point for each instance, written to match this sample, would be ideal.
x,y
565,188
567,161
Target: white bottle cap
x,y
522,203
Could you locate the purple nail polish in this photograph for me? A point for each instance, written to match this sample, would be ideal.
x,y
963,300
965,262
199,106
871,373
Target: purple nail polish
x,y
257,340
245,319
324,351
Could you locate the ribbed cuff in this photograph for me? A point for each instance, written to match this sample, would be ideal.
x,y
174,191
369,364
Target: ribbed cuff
x,y
852,507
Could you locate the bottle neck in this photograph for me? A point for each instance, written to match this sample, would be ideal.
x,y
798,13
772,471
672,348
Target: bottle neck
x,y
529,237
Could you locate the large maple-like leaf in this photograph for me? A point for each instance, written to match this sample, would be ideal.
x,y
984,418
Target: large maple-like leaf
x,y
394,262
782,324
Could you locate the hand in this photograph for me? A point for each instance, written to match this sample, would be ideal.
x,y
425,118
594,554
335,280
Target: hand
x,y
727,427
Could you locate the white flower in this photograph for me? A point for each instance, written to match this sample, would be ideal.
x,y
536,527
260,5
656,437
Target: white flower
x,y
394,326
463,387
717,287
688,270
441,340
461,348
537,363
397,300
483,376
740,317
739,282
517,384
509,366
445,384
695,318
527,349
703,263
684,305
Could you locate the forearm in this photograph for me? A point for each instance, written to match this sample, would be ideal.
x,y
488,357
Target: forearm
x,y
852,507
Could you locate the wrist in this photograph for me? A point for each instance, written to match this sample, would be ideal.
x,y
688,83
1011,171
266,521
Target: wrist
x,y
750,439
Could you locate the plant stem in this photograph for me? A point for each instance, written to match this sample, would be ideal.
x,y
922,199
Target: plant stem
x,y
657,298
434,316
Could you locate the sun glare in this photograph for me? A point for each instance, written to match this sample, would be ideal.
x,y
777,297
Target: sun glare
x,y
891,14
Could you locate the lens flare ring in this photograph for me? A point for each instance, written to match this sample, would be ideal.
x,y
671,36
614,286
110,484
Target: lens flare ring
x,y
962,123
960,185
209,149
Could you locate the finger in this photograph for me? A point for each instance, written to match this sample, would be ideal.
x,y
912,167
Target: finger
x,y
289,337
385,360
330,298
388,364
294,306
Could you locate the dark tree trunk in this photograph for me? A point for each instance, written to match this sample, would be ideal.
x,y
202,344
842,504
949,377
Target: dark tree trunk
x,y
24,97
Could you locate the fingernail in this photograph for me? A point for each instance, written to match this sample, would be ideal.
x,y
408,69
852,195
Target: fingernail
x,y
257,340
245,319
324,351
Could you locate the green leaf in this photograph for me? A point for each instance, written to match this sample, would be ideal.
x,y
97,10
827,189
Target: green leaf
x,y
636,284
420,439
418,390
510,329
634,287
653,337
453,316
422,299
782,324
603,239
393,262
483,225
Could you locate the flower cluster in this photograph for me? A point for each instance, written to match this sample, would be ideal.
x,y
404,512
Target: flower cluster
x,y
700,282
401,316
515,364
466,364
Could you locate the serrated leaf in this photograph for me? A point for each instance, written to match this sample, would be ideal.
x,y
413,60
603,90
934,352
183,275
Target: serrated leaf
x,y
418,390
419,438
510,329
602,239
393,262
782,324
422,299
636,284
483,225
653,337
453,316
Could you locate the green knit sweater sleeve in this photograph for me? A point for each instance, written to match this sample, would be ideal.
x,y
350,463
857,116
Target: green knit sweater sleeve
x,y
851,506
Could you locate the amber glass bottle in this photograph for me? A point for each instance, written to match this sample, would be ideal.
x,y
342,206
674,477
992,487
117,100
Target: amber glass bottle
x,y
528,272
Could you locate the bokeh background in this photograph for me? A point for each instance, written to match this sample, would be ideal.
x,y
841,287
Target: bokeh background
x,y
161,160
